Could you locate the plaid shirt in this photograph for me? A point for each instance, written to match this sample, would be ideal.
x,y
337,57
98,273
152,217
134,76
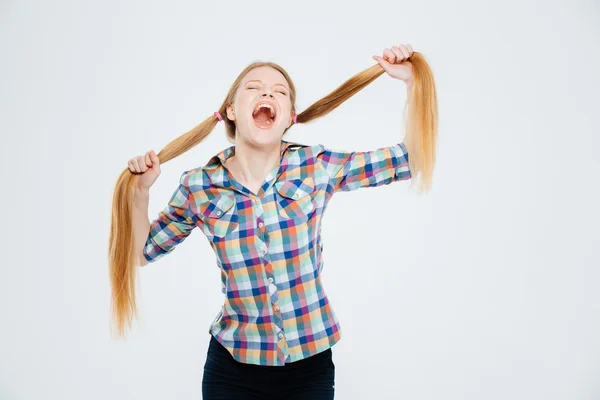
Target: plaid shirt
x,y
268,245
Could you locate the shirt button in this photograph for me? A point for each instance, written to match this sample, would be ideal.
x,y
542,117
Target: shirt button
x,y
270,280
295,194
260,224
265,251
280,335
276,308
257,201
218,212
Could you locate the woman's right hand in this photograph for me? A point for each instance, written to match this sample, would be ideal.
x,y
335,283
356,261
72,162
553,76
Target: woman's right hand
x,y
148,166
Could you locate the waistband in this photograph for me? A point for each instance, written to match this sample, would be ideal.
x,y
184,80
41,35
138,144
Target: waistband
x,y
318,358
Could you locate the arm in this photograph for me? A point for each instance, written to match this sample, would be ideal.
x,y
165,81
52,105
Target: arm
x,y
141,223
173,225
357,169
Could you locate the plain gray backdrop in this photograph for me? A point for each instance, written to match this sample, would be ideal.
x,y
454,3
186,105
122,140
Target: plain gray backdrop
x,y
485,288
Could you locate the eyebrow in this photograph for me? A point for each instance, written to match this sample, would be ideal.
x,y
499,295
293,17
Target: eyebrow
x,y
258,80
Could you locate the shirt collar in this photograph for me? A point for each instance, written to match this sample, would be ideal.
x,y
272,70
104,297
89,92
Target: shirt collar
x,y
216,172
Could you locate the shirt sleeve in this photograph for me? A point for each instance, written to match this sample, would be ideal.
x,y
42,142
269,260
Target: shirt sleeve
x,y
357,169
173,225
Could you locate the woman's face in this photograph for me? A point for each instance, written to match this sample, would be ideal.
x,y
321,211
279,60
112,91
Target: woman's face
x,y
262,109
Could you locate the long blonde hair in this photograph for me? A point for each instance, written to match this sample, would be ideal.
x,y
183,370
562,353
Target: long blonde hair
x,y
420,140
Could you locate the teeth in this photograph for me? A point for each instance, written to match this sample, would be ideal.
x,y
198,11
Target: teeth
x,y
265,105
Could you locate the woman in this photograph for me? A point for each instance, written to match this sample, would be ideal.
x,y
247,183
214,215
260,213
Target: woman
x,y
260,204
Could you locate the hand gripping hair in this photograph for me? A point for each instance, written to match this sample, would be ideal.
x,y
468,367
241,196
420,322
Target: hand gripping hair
x,y
420,140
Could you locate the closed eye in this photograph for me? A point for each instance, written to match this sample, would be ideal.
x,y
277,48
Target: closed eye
x,y
254,88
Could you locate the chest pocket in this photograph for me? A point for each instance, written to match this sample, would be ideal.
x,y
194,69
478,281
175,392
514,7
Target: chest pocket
x,y
294,198
220,215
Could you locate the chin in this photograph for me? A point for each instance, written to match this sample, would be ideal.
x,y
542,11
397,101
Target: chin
x,y
270,135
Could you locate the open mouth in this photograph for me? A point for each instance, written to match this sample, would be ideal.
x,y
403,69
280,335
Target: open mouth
x,y
264,115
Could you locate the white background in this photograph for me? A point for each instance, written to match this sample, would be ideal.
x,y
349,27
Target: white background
x,y
485,288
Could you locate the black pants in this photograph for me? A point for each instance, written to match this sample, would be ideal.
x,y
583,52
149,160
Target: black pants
x,y
227,379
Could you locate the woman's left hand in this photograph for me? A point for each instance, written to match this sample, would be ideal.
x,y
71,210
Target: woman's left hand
x,y
395,62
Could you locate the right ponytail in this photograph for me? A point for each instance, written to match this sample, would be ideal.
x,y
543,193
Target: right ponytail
x,y
421,121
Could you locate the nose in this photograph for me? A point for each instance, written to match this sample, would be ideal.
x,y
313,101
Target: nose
x,y
267,93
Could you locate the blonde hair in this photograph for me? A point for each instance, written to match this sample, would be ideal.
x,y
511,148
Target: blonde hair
x,y
420,141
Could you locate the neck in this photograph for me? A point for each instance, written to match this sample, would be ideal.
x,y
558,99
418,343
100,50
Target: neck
x,y
250,164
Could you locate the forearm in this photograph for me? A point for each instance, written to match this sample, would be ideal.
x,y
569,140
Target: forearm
x,y
409,88
141,223
407,137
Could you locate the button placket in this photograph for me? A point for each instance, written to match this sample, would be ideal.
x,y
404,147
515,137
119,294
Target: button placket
x,y
268,269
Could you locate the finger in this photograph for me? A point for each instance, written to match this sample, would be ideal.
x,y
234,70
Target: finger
x,y
130,166
410,49
384,64
155,161
399,55
142,163
404,51
389,56
136,165
147,160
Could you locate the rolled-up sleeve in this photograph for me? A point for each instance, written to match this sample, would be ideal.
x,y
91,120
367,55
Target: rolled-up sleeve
x,y
357,169
173,225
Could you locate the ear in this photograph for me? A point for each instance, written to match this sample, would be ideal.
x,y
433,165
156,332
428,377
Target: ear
x,y
291,118
230,113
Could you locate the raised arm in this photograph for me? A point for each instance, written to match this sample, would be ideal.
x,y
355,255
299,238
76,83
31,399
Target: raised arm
x,y
352,170
401,62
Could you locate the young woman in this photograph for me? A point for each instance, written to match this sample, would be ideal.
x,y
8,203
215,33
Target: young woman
x,y
260,203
